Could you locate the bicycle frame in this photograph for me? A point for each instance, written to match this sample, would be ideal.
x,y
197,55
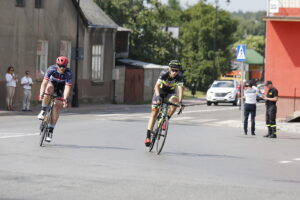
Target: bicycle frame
x,y
47,119
162,118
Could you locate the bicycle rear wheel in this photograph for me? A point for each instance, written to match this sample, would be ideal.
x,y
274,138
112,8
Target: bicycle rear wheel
x,y
162,135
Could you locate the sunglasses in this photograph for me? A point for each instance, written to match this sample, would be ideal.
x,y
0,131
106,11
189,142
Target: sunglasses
x,y
12,70
174,70
62,66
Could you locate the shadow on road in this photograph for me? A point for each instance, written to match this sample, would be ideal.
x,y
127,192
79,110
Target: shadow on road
x,y
199,155
73,146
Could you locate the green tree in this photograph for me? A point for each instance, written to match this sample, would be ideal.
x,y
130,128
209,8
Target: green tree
x,y
174,4
250,23
148,42
197,36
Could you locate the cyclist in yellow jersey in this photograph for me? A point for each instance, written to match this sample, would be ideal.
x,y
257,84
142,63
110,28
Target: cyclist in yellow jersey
x,y
165,88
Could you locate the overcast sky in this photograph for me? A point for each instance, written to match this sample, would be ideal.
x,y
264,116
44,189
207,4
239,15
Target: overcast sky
x,y
234,5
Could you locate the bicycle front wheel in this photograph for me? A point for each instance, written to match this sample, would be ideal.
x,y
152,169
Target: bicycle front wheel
x,y
162,135
44,127
43,136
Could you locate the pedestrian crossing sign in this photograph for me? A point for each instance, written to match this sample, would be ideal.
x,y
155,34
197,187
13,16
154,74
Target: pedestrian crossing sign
x,y
241,52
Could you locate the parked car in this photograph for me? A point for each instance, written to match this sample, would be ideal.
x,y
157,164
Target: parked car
x,y
222,91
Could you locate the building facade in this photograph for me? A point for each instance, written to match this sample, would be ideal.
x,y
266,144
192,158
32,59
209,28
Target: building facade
x,y
282,53
34,32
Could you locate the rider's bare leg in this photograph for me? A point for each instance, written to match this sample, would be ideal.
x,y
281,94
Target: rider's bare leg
x,y
172,109
49,91
56,111
152,118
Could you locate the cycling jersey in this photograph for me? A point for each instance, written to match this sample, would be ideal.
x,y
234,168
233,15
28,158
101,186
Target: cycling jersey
x,y
167,83
60,78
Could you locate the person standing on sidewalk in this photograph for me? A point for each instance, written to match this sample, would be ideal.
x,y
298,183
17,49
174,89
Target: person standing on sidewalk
x,y
26,82
11,84
271,109
250,107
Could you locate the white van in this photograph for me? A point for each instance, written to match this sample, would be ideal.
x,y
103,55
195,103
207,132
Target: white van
x,y
222,91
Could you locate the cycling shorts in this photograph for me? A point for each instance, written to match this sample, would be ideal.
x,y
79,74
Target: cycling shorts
x,y
165,96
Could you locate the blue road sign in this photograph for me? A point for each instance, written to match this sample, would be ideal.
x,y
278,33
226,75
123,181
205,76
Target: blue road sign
x,y
241,53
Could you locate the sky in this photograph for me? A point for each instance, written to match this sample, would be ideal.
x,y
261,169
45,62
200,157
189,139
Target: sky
x,y
234,5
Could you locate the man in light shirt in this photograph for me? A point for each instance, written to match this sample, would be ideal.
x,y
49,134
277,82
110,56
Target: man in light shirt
x,y
26,82
250,107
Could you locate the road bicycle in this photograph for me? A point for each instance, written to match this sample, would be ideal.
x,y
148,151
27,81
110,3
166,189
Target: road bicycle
x,y
44,127
160,132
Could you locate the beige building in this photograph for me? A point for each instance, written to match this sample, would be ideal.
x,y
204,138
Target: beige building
x,y
34,32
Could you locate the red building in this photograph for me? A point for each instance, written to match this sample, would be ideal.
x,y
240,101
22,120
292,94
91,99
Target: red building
x,y
283,53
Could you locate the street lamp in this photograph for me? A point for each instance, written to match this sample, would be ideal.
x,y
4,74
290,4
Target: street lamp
x,y
75,89
215,37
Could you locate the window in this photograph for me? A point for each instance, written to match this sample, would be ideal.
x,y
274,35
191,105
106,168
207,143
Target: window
x,y
41,59
97,63
65,50
20,3
38,3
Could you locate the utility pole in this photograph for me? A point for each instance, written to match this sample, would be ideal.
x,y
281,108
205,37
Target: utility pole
x,y
75,89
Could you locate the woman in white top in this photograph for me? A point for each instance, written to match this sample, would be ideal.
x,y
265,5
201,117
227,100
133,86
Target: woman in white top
x,y
11,83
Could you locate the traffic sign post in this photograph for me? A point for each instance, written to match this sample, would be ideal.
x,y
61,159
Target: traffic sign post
x,y
241,57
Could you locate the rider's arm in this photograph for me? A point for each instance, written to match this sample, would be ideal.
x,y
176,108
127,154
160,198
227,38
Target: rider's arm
x,y
67,91
43,87
156,88
180,93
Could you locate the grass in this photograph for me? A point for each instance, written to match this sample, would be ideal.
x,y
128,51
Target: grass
x,y
188,94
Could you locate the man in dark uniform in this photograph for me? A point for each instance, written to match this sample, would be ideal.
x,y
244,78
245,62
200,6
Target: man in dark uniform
x,y
271,109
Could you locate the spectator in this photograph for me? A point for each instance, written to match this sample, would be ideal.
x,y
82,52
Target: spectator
x,y
250,107
26,82
11,83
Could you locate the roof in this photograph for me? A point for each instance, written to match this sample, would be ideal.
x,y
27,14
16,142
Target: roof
x,y
95,17
141,64
254,58
282,18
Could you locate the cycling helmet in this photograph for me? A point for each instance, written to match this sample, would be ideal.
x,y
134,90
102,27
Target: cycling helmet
x,y
175,64
62,60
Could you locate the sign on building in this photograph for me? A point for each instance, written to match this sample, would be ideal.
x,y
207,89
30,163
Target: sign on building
x,y
274,6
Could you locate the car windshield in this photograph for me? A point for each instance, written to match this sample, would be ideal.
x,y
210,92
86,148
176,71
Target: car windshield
x,y
223,84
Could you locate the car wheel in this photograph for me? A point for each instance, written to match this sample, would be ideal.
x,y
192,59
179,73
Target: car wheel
x,y
216,103
235,102
208,103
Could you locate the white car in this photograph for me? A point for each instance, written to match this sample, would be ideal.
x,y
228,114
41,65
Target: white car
x,y
222,91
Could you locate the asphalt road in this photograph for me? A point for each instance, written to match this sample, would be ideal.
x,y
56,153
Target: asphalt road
x,y
101,155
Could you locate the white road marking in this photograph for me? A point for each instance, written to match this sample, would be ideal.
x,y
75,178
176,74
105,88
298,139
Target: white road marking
x,y
19,135
203,120
285,162
181,118
297,159
123,114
